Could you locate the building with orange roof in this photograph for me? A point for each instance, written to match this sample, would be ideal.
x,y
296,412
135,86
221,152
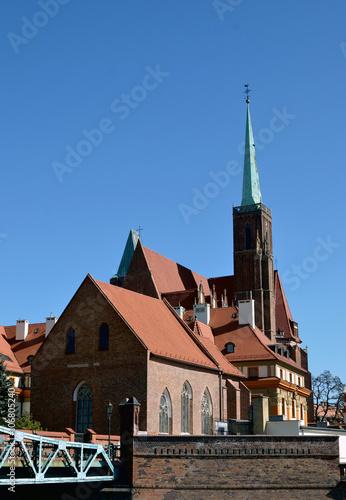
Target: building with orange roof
x,y
191,350
18,345
111,343
272,358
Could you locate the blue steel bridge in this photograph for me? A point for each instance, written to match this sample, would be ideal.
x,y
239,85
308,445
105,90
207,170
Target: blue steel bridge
x,y
42,460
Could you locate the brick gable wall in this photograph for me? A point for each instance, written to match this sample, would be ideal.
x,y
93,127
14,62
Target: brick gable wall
x,y
112,375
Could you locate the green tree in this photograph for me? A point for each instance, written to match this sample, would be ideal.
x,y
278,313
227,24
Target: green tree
x,y
5,383
27,422
329,390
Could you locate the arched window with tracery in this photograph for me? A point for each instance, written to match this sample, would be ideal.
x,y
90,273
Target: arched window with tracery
x,y
206,413
186,408
165,413
84,408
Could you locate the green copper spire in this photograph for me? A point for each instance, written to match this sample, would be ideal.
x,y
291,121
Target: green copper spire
x,y
251,187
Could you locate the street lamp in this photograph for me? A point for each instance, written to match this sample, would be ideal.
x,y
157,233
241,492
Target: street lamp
x,y
109,416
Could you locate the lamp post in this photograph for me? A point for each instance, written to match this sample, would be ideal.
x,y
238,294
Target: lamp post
x,y
109,416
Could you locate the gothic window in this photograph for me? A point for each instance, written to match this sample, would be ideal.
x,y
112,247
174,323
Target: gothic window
x,y
84,408
104,337
165,413
70,341
206,413
247,236
186,407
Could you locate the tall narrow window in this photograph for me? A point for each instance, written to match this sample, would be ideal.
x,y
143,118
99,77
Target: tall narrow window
x,y
247,236
283,408
165,413
186,399
84,408
104,337
293,408
70,341
206,413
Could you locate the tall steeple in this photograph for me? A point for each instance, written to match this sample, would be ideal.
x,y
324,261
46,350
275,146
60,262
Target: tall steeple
x,y
251,187
252,242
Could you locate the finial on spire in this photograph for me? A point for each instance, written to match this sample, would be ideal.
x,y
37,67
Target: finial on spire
x,y
247,92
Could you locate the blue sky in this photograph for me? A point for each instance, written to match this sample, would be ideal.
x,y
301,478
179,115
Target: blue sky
x,y
121,113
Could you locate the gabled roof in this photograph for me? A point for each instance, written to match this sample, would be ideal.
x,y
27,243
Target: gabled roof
x,y
251,344
284,319
28,347
172,277
156,325
10,361
207,338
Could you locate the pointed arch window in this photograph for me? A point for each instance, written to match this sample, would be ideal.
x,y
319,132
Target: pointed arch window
x,y
70,341
186,408
206,413
104,337
84,408
165,413
247,236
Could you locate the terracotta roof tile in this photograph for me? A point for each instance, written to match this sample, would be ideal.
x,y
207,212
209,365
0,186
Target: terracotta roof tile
x,y
10,360
155,324
172,277
283,314
28,347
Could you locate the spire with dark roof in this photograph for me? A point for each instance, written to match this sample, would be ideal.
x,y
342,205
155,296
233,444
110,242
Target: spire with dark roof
x,y
251,187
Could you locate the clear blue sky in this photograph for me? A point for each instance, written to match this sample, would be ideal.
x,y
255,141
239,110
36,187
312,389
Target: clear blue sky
x,y
163,83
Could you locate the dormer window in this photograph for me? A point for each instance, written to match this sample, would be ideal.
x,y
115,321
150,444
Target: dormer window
x,y
30,358
230,347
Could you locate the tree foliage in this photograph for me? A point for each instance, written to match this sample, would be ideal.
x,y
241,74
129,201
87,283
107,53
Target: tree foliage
x,y
329,390
5,383
27,422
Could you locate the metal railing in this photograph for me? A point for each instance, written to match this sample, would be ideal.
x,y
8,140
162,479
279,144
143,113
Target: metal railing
x,y
45,460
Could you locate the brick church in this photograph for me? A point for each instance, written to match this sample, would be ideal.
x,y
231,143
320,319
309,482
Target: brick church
x,y
195,352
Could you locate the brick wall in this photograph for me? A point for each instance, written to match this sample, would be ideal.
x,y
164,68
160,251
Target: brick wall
x,y
165,374
193,466
119,372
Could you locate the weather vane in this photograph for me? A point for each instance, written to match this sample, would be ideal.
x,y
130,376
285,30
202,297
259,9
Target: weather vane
x,y
247,92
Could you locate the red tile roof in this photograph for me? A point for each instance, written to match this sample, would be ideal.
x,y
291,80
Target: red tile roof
x,y
156,325
172,277
28,347
284,320
10,361
251,345
204,330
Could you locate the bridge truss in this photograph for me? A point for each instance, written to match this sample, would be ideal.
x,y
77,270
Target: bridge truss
x,y
32,459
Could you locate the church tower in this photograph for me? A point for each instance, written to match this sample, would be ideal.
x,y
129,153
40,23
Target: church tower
x,y
252,243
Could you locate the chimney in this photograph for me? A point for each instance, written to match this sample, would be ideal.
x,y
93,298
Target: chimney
x,y
246,312
50,322
22,328
202,313
180,311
